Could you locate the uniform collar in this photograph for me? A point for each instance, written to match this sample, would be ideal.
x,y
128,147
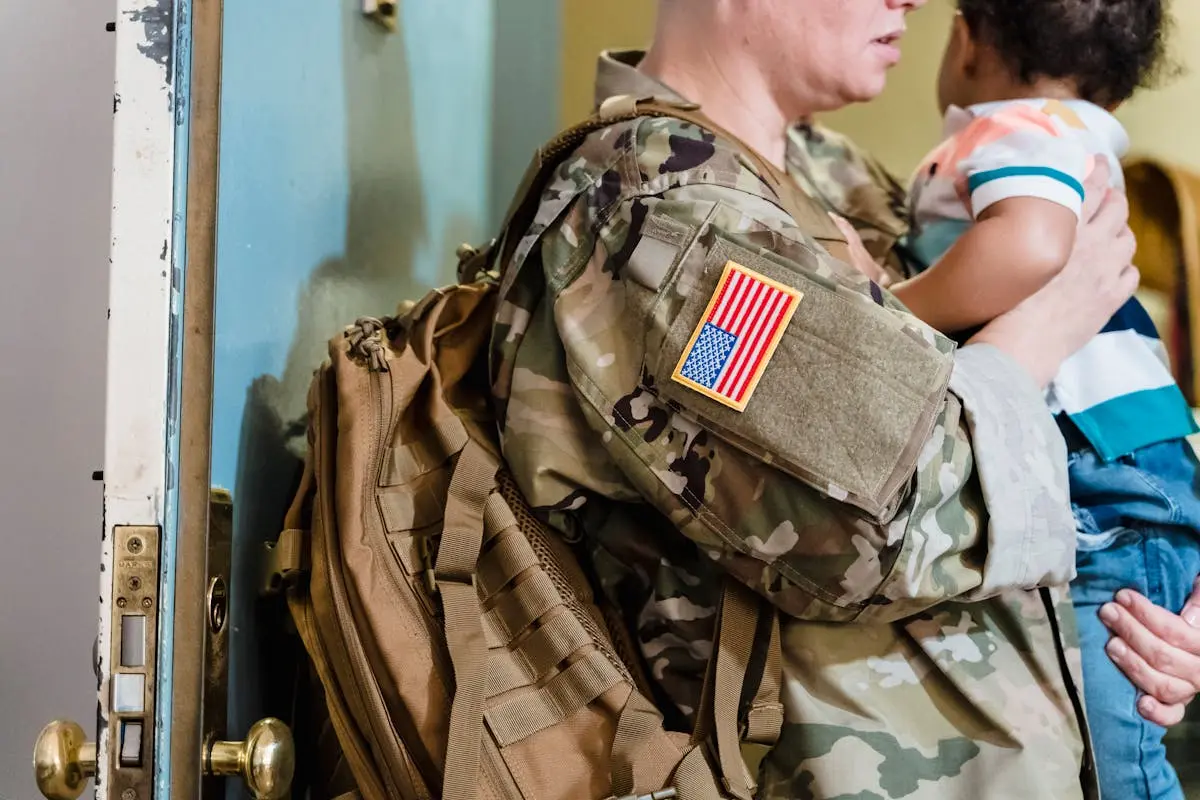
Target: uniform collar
x,y
617,74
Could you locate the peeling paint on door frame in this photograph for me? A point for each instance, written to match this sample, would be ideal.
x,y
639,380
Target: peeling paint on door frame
x,y
141,300
156,40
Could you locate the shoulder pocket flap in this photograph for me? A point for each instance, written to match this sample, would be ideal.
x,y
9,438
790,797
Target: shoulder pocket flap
x,y
845,403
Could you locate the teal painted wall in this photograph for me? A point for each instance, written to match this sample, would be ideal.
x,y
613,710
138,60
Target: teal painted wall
x,y
353,161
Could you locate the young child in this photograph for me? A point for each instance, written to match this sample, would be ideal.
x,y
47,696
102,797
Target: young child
x,y
1027,87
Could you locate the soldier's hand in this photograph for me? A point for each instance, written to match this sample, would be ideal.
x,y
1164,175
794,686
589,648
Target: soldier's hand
x,y
860,259
1158,651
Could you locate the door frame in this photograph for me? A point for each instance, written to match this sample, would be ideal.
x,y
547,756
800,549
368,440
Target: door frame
x,y
142,284
165,121
195,623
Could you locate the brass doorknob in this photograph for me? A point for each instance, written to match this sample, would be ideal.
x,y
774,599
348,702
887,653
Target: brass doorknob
x,y
265,761
63,760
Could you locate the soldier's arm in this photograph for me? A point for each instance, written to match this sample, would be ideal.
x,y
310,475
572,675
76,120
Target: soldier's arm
x,y
873,473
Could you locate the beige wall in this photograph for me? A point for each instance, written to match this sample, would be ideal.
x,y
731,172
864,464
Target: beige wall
x,y
590,26
1164,122
56,89
902,124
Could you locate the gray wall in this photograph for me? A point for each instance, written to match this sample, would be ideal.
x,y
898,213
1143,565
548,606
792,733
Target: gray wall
x,y
55,162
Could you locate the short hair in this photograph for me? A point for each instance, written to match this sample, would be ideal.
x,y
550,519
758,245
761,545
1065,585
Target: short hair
x,y
1109,48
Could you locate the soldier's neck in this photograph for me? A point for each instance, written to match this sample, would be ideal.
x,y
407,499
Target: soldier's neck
x,y
732,93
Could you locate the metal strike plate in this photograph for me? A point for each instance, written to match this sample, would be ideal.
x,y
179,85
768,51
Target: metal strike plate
x,y
216,629
382,11
129,772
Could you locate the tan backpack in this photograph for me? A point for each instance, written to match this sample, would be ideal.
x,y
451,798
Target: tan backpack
x,y
458,642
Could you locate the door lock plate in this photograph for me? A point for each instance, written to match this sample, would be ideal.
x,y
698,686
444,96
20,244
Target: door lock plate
x,y
133,658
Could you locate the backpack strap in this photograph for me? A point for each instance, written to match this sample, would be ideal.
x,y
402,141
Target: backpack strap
x,y
741,620
474,479
764,720
522,212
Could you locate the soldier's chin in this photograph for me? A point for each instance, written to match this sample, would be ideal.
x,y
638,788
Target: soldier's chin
x,y
866,88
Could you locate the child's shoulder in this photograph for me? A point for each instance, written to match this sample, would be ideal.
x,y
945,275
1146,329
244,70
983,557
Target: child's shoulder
x,y
1052,118
1040,117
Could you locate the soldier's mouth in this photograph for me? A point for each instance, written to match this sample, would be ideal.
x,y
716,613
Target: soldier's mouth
x,y
888,46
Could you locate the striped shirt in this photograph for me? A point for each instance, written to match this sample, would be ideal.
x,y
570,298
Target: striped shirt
x,y
1118,390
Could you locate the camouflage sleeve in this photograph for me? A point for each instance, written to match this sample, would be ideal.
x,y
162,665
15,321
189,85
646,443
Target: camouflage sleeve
x,y
848,488
1021,463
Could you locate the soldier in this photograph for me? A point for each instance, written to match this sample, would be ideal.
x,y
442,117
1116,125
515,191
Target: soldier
x,y
692,386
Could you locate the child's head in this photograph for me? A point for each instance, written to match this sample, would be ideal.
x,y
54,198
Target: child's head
x,y
1098,50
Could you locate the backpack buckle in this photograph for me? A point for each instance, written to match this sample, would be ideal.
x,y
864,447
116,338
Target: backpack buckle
x,y
474,262
427,553
283,561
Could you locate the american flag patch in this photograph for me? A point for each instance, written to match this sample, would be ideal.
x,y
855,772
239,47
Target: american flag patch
x,y
736,337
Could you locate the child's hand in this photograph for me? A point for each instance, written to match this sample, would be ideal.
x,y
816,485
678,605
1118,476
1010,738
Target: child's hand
x,y
860,259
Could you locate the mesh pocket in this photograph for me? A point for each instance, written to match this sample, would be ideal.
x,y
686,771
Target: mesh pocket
x,y
558,562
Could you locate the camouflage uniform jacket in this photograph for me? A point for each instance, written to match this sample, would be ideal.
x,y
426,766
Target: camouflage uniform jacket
x,y
902,502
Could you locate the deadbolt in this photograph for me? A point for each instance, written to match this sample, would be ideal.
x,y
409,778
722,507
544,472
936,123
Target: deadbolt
x,y
218,604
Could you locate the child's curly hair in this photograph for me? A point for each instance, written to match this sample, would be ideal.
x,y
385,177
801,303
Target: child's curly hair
x,y
1110,48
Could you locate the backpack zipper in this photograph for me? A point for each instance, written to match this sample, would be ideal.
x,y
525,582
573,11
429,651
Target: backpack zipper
x,y
370,347
366,343
368,687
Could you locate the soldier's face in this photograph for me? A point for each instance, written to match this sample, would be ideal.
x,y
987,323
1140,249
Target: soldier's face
x,y
829,53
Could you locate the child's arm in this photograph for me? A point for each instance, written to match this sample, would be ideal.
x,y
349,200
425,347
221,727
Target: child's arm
x,y
1025,180
1014,248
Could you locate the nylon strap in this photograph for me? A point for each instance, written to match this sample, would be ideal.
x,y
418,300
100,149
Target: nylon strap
x,y
639,722
702,727
559,637
494,634
764,722
407,462
509,557
454,572
735,643
505,673
517,609
694,779
497,516
405,508
563,695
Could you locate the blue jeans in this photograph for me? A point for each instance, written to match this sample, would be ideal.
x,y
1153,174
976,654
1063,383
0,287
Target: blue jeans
x,y
1139,528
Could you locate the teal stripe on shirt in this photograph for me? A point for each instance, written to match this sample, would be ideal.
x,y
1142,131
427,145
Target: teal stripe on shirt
x,y
1132,421
934,238
981,178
